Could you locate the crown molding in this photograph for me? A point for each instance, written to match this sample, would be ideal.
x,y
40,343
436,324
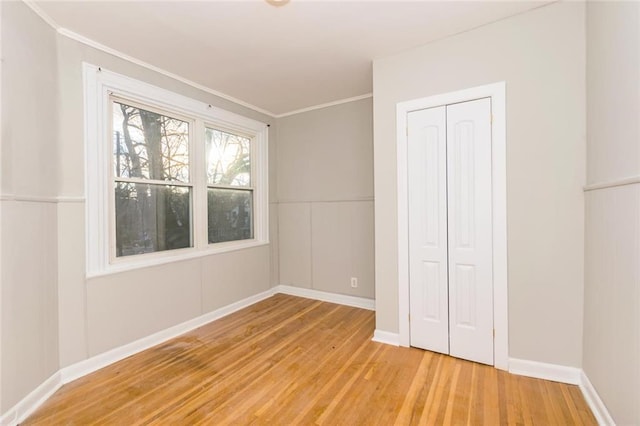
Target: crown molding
x,y
325,105
631,180
42,14
92,43
96,45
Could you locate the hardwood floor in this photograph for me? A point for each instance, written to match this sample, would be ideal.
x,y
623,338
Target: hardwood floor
x,y
288,361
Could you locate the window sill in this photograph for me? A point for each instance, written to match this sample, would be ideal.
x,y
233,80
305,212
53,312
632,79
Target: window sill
x,y
162,258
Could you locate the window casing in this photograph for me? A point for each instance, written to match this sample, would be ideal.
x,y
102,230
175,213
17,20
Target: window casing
x,y
198,187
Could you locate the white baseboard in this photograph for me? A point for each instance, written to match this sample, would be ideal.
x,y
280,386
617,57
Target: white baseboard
x,y
341,299
569,375
598,408
386,337
541,370
31,402
97,362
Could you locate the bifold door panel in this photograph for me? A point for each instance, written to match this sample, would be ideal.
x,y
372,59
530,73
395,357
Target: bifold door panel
x,y
450,230
429,304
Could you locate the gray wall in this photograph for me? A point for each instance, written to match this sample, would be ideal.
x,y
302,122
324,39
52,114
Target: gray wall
x,y
541,56
611,351
325,195
322,192
29,321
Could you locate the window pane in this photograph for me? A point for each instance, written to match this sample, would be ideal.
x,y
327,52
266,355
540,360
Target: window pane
x,y
149,145
151,218
228,158
230,215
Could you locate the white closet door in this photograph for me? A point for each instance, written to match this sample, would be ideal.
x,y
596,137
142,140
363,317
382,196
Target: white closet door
x,y
470,230
428,292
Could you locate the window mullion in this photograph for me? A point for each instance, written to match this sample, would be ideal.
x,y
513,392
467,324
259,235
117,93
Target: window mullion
x,y
199,180
260,181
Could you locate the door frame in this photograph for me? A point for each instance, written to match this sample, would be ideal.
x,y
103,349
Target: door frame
x,y
497,93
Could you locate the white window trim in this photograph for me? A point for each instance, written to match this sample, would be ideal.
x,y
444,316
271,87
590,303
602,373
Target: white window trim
x,y
99,85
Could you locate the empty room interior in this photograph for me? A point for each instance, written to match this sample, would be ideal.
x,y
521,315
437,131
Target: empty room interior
x,y
320,212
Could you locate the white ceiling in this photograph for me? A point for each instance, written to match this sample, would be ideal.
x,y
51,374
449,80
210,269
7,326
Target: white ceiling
x,y
279,59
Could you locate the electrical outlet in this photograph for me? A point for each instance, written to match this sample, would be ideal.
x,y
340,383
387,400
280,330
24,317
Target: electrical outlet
x,y
354,282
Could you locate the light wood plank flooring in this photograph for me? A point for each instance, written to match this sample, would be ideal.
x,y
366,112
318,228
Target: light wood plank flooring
x,y
290,361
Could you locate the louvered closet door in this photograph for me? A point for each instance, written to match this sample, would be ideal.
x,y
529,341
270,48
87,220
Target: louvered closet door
x,y
450,229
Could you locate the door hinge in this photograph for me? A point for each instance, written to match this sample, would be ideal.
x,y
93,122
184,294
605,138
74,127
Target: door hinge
x,y
494,333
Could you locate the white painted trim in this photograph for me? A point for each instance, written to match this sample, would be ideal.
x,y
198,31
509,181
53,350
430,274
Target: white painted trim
x,y
326,105
97,362
40,198
31,402
325,200
598,408
42,14
569,375
341,299
38,396
402,161
25,407
612,184
94,44
386,337
497,93
99,87
541,370
172,256
1,230
499,211
28,198
65,375
91,43
70,199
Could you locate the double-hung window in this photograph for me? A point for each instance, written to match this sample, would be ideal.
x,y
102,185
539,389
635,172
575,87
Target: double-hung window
x,y
151,181
168,177
229,190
